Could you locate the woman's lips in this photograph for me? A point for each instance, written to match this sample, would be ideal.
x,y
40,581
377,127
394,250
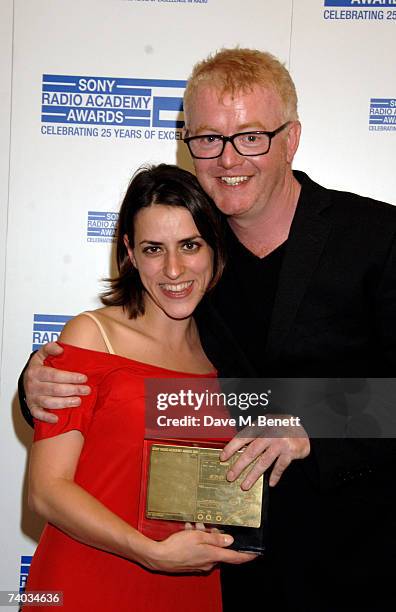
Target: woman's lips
x,y
177,290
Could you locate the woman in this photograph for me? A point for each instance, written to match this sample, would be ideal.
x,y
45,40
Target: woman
x,y
85,470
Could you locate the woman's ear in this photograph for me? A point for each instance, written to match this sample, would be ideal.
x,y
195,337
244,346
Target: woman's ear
x,y
130,250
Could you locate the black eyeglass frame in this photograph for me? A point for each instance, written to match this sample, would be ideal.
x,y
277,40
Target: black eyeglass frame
x,y
231,139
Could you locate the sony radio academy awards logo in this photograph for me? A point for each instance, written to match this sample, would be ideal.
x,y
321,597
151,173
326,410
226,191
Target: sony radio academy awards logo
x,y
108,107
47,328
355,10
102,226
382,114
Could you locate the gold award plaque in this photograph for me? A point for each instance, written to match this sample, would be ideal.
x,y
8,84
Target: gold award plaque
x,y
188,483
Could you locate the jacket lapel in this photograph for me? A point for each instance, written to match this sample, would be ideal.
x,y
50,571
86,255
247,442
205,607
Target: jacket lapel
x,y
307,238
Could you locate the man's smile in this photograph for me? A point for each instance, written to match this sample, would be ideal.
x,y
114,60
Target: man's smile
x,y
234,180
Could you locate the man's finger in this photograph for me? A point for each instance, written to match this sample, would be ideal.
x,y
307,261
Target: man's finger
x,y
62,390
233,446
251,452
47,350
280,465
261,465
43,415
64,377
47,374
56,403
51,348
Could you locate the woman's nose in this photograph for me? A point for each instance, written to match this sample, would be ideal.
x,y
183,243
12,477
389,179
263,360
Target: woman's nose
x,y
173,265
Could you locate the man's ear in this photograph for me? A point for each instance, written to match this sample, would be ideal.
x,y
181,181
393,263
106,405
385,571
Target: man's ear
x,y
293,139
130,250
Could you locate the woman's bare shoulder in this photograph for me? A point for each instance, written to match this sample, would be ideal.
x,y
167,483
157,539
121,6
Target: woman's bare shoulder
x,y
83,331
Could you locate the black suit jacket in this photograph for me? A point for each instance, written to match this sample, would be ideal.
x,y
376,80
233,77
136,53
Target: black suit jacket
x,y
334,315
334,310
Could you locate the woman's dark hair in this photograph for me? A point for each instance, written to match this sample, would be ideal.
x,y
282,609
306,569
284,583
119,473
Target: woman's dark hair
x,y
170,186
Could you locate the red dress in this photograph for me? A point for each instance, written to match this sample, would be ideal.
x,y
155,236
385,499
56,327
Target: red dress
x,y
111,419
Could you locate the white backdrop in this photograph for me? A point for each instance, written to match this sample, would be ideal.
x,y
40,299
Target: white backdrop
x,y
6,22
65,175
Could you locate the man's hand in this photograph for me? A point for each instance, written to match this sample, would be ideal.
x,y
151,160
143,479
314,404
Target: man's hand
x,y
47,387
281,450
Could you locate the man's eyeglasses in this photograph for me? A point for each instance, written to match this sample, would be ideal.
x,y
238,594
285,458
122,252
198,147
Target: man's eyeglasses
x,y
209,146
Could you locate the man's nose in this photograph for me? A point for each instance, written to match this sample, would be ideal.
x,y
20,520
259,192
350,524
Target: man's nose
x,y
173,265
230,156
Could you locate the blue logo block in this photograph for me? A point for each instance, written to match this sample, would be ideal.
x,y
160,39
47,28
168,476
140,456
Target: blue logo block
x,y
383,113
108,101
165,105
24,571
102,226
47,328
361,3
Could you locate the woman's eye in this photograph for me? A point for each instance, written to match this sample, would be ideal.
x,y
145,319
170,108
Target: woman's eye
x,y
191,246
152,250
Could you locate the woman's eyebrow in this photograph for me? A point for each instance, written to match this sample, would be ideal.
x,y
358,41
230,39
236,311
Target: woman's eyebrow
x,y
156,243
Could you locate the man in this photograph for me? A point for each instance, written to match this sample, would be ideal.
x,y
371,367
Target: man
x,y
309,290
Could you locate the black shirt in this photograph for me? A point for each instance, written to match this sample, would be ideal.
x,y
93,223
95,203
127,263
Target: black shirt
x,y
245,296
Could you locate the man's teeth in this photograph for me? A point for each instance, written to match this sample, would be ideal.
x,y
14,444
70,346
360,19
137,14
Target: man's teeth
x,y
234,180
178,287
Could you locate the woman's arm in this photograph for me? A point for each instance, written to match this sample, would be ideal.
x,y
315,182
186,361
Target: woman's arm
x,y
54,495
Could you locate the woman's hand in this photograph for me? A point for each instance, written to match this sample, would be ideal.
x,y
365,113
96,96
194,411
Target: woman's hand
x,y
194,550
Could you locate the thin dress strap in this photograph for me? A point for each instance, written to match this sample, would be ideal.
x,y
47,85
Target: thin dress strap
x,y
102,332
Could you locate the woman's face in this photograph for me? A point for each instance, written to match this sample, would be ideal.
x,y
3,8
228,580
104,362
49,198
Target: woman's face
x,y
174,262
